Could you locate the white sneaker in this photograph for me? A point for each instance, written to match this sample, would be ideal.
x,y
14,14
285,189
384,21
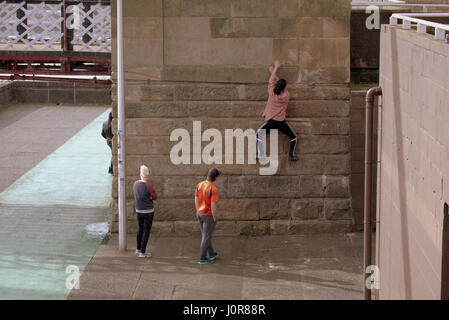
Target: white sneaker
x,y
138,252
145,255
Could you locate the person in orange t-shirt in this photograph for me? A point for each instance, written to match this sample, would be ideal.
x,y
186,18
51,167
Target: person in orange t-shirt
x,y
275,111
206,198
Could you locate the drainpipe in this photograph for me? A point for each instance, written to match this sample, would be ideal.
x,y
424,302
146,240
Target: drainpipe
x,y
121,131
377,91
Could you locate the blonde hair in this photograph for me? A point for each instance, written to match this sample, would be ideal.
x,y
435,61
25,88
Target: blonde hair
x,y
144,172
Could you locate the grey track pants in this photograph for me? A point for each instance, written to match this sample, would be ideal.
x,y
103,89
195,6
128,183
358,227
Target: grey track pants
x,y
207,226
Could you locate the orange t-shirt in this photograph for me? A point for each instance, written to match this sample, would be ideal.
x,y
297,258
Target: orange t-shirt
x,y
206,193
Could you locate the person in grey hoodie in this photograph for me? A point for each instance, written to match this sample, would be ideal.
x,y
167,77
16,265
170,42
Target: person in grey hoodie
x,y
144,195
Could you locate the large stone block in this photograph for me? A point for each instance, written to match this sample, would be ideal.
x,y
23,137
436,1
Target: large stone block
x,y
209,92
324,8
311,187
196,8
156,109
333,27
338,164
324,144
286,50
263,187
254,8
337,187
330,126
238,209
184,186
274,209
253,228
253,28
139,9
174,209
337,209
307,209
318,226
318,108
314,53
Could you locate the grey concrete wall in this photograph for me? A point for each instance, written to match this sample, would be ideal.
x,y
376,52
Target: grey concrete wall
x,y
60,92
414,178
5,93
207,60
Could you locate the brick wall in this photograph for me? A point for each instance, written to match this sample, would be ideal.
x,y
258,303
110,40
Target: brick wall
x,y
414,182
207,60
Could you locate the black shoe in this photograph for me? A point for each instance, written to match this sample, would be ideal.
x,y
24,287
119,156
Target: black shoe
x,y
111,171
292,158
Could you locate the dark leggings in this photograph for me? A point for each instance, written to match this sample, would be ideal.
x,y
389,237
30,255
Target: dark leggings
x,y
283,127
145,221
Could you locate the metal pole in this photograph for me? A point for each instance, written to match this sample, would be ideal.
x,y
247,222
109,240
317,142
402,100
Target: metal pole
x,y
121,131
368,184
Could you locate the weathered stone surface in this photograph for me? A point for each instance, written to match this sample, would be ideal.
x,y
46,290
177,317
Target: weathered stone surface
x,y
263,186
274,209
337,187
338,164
186,228
209,92
238,209
324,8
253,228
307,209
311,186
184,186
226,228
140,8
162,228
278,227
337,209
196,8
174,209
324,144
254,8
152,109
331,126
253,27
318,226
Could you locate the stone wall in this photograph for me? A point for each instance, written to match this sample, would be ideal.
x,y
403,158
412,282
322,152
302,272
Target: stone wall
x,y
60,92
414,181
5,93
207,60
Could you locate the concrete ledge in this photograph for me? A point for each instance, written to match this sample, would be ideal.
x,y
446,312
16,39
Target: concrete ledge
x,y
60,92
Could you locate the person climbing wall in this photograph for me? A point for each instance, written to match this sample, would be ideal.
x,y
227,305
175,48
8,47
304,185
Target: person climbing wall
x,y
275,110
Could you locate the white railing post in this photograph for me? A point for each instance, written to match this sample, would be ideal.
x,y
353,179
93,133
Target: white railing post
x,y
121,131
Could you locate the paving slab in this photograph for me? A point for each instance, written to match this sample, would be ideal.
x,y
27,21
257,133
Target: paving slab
x,y
54,204
327,266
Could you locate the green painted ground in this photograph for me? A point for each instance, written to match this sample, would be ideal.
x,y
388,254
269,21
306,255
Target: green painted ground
x,y
55,216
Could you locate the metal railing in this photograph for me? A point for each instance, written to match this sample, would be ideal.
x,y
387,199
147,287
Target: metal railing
x,y
63,25
422,25
396,4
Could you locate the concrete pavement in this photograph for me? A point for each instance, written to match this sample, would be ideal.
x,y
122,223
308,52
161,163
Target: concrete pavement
x,y
54,204
327,266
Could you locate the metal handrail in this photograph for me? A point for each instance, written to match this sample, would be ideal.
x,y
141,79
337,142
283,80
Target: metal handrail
x,y
409,18
399,4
